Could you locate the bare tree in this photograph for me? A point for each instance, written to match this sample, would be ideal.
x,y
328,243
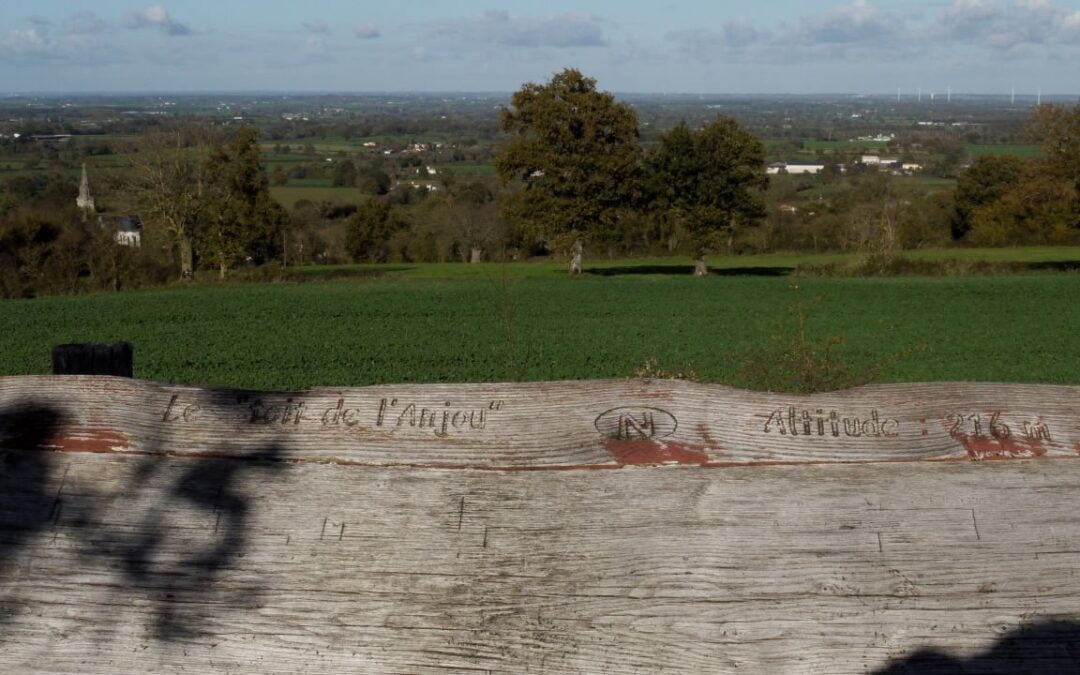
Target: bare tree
x,y
166,189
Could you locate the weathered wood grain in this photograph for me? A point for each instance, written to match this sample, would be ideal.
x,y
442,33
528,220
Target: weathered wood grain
x,y
563,424
133,540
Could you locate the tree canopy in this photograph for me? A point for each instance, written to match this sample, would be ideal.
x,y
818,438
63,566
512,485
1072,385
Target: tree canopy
x,y
708,180
574,152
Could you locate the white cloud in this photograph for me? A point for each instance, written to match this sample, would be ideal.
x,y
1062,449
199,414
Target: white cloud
x,y
156,18
860,30
859,23
317,27
79,42
997,27
497,27
853,30
25,40
366,31
84,23
315,50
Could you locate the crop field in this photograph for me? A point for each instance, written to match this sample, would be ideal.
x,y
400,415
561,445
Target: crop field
x,y
462,168
287,196
402,324
1025,151
843,146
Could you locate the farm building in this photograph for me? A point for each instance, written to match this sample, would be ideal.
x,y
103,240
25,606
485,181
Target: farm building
x,y
794,168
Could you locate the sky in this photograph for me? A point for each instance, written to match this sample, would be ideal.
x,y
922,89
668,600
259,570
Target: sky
x,y
700,46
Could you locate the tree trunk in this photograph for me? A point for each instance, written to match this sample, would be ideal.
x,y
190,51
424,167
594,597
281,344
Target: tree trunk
x,y
701,268
475,254
223,268
575,260
187,258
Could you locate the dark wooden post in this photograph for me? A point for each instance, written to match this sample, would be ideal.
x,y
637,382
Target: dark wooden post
x,y
93,359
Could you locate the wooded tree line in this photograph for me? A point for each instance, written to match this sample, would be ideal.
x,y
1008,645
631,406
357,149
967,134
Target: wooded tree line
x,y
573,176
1006,201
579,175
202,198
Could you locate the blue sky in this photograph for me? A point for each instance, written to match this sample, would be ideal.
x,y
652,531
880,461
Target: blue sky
x,y
779,46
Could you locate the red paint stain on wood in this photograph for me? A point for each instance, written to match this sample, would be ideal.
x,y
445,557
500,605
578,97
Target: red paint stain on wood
x,y
711,442
86,440
1009,447
653,452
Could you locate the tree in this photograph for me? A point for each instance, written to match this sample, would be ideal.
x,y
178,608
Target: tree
x,y
1039,209
574,152
241,220
372,180
369,230
709,181
344,174
166,188
988,178
1058,130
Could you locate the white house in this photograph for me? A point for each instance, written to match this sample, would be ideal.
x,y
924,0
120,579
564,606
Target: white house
x,y
127,230
794,168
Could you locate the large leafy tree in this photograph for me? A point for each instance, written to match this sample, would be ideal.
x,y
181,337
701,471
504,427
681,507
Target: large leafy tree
x,y
1058,130
983,183
240,219
709,181
369,230
575,157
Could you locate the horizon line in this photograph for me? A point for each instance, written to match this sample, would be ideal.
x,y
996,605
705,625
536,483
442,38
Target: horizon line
x,y
925,98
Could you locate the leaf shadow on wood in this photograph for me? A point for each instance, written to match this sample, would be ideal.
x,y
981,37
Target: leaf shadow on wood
x,y
166,534
26,507
183,583
1038,648
688,270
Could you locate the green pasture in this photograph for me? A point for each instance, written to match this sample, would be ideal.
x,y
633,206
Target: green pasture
x,y
1037,258
1026,151
288,195
481,169
524,321
843,146
310,182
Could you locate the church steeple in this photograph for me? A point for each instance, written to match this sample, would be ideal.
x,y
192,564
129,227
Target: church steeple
x,y
84,200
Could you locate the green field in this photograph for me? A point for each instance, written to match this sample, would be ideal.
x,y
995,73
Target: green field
x,y
1026,151
453,323
288,196
843,146
310,182
483,169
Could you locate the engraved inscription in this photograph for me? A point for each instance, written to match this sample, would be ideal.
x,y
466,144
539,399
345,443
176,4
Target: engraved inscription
x,y
389,413
176,411
442,421
987,436
631,424
821,422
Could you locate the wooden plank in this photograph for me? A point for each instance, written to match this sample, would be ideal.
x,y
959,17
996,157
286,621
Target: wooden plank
x,y
132,540
560,425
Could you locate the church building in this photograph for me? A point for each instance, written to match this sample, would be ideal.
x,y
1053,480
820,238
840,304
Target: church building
x,y
127,229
